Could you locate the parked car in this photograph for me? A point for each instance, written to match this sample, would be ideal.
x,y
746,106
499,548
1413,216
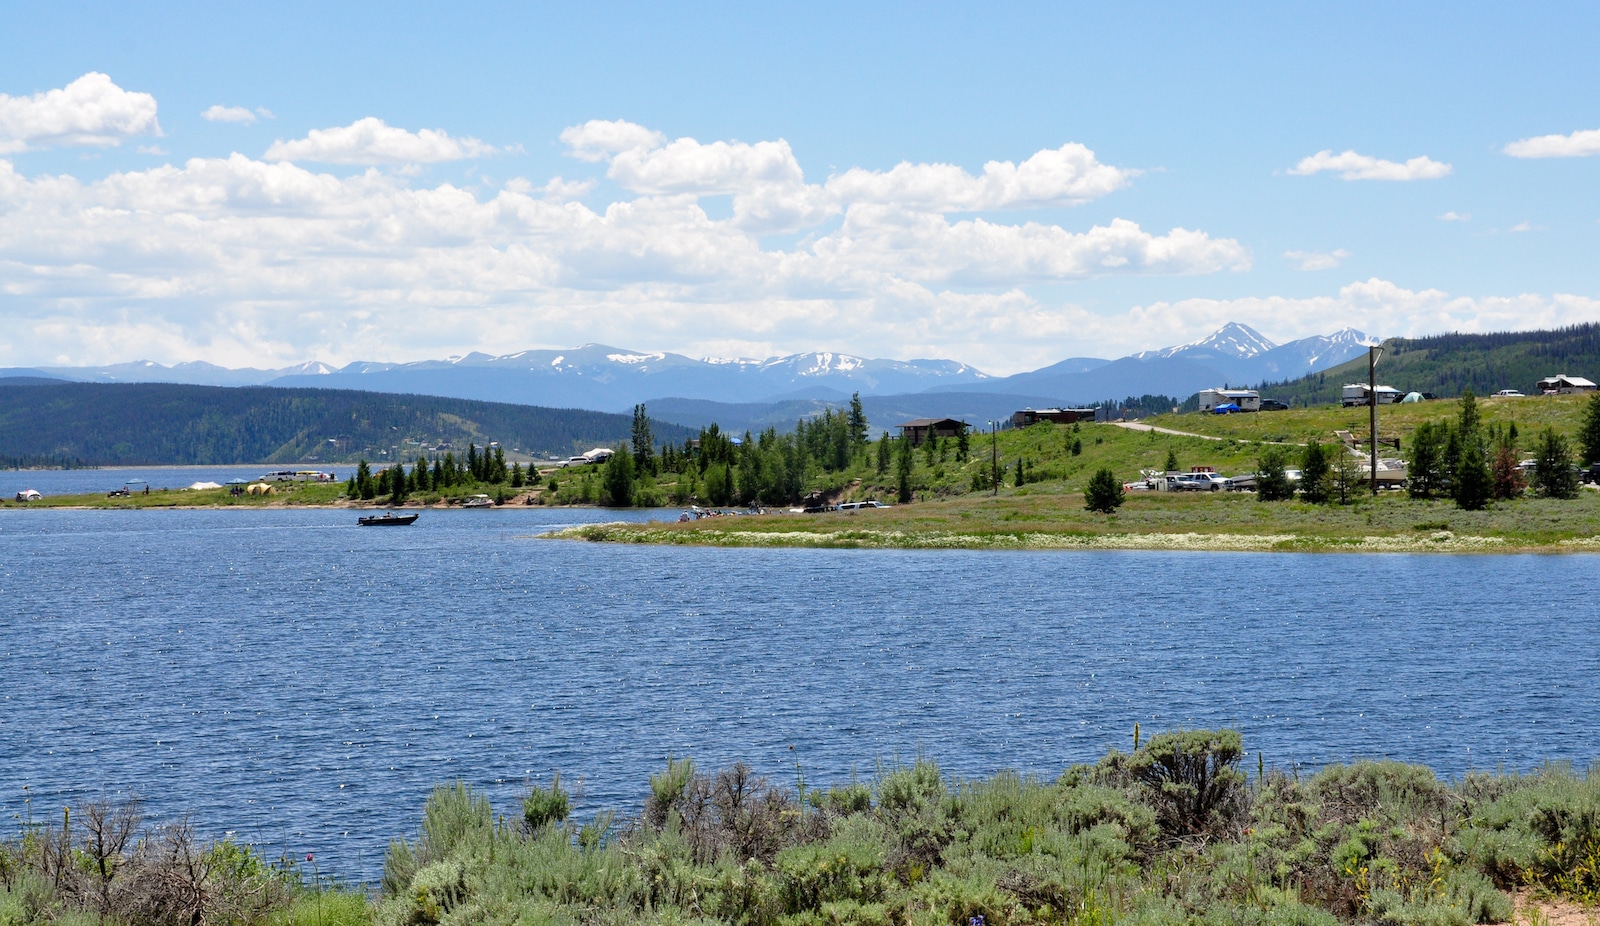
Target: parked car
x,y
1273,405
1509,394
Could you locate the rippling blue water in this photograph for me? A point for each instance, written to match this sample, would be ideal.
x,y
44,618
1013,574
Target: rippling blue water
x,y
304,683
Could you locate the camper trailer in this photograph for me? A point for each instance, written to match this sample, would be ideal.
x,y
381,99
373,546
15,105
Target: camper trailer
x,y
1356,394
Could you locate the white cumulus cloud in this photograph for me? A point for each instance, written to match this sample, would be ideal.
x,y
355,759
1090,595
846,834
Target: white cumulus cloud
x,y
372,141
1453,216
91,110
1062,176
1577,145
250,262
1317,260
220,113
1353,166
599,139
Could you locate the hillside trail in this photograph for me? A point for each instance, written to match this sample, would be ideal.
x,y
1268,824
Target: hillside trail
x,y
1138,426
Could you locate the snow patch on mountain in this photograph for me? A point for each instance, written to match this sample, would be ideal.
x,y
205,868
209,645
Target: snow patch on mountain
x,y
1233,341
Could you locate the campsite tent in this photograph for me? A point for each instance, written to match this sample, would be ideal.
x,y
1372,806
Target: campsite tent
x,y
199,486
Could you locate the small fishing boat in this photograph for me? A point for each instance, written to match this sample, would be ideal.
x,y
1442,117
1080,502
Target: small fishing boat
x,y
387,520
477,501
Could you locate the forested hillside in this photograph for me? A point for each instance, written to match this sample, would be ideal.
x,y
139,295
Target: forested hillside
x,y
1446,364
112,424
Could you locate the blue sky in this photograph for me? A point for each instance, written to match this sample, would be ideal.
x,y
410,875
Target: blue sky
x,y
382,183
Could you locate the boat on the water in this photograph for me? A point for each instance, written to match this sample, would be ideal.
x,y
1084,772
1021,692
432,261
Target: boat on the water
x,y
387,520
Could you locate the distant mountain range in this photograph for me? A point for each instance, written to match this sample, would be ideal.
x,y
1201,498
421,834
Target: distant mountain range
x,y
124,424
605,378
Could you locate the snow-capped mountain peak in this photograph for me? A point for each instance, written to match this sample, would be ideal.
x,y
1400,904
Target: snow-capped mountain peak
x,y
1232,341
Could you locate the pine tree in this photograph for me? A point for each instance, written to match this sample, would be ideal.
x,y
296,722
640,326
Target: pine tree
x,y
1425,474
963,443
1272,478
1172,460
497,469
617,480
516,475
397,484
1552,470
883,453
1314,474
644,442
365,487
1470,418
1471,485
420,473
1589,431
857,422
1104,492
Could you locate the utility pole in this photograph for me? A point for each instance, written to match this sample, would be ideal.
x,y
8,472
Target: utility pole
x,y
1373,352
994,455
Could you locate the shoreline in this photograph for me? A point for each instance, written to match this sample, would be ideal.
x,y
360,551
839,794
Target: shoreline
x,y
1441,542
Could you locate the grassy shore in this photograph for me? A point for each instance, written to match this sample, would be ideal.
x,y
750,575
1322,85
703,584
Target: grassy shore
x,y
1048,516
1187,828
953,507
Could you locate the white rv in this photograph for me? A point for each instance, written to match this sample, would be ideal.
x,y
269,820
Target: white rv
x,y
1248,400
1356,394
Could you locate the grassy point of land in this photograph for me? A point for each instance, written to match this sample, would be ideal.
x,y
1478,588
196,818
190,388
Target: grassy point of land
x,y
1041,517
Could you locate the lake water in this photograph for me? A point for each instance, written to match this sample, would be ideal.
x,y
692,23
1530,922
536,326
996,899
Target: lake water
x,y
303,682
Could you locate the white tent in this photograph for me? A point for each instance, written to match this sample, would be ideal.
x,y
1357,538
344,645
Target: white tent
x,y
198,486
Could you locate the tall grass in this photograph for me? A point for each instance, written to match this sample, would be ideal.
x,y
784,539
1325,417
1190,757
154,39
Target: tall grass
x,y
1196,842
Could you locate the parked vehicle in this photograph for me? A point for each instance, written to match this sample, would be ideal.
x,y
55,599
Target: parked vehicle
x,y
1509,394
1198,482
1273,405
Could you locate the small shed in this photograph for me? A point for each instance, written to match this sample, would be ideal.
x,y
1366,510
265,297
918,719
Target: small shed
x,y
1565,385
919,429
1031,416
